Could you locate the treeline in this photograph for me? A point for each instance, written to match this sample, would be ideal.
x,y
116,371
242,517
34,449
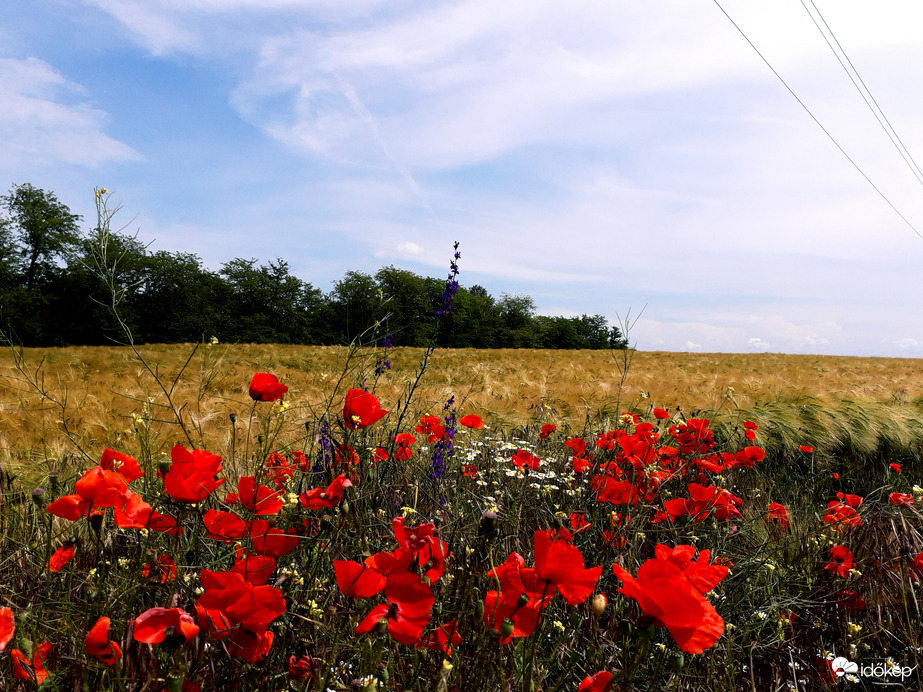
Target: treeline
x,y
52,293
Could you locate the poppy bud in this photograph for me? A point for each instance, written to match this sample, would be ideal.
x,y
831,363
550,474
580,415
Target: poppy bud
x,y
307,427
175,684
488,527
344,506
96,522
37,497
598,604
506,629
260,439
521,602
677,663
624,628
53,480
381,626
479,610
164,467
233,417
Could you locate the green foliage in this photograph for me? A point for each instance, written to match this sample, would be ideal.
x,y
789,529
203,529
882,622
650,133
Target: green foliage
x,y
53,294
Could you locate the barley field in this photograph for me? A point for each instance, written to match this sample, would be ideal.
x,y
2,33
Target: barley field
x,y
52,398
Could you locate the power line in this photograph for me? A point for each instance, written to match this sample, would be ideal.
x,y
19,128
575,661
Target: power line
x,y
864,91
814,118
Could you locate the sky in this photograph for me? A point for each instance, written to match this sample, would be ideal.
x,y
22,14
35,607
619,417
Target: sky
x,y
630,158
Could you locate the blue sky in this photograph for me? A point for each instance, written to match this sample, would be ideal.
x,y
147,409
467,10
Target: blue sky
x,y
600,156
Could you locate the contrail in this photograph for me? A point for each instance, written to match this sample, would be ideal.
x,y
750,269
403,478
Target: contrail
x,y
353,97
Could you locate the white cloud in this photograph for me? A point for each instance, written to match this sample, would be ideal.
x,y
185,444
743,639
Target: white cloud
x,y
41,122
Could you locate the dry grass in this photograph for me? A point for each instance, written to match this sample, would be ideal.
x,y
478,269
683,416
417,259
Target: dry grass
x,y
95,390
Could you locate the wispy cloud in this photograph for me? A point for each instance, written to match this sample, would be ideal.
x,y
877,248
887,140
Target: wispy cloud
x,y
45,119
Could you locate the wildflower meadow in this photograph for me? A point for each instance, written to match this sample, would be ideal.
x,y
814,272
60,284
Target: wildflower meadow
x,y
365,541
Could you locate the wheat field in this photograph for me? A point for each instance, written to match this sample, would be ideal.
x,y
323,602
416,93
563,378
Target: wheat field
x,y
57,399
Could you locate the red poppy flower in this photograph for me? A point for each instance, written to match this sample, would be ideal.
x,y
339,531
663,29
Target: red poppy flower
x,y
191,476
579,523
271,541
523,458
164,568
426,548
520,599
750,430
702,501
561,565
916,566
663,592
432,427
470,470
444,638
403,441
851,500
471,421
256,569
807,449
96,489
841,561
901,500
304,668
748,456
259,499
580,464
547,429
661,414
224,526
242,603
98,643
213,622
577,445
126,467
24,669
61,557
7,627
895,467
841,515
694,436
380,454
156,624
850,600
251,646
703,576
778,514
138,514
361,409
318,498
357,580
407,612
601,682
608,489
266,387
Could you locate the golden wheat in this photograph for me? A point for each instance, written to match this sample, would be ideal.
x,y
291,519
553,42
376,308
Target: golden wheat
x,y
59,400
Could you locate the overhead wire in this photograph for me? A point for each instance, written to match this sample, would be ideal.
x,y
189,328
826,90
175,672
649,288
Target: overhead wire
x,y
818,123
863,90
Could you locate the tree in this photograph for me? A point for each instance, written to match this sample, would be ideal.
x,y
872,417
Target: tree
x,y
44,228
356,304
